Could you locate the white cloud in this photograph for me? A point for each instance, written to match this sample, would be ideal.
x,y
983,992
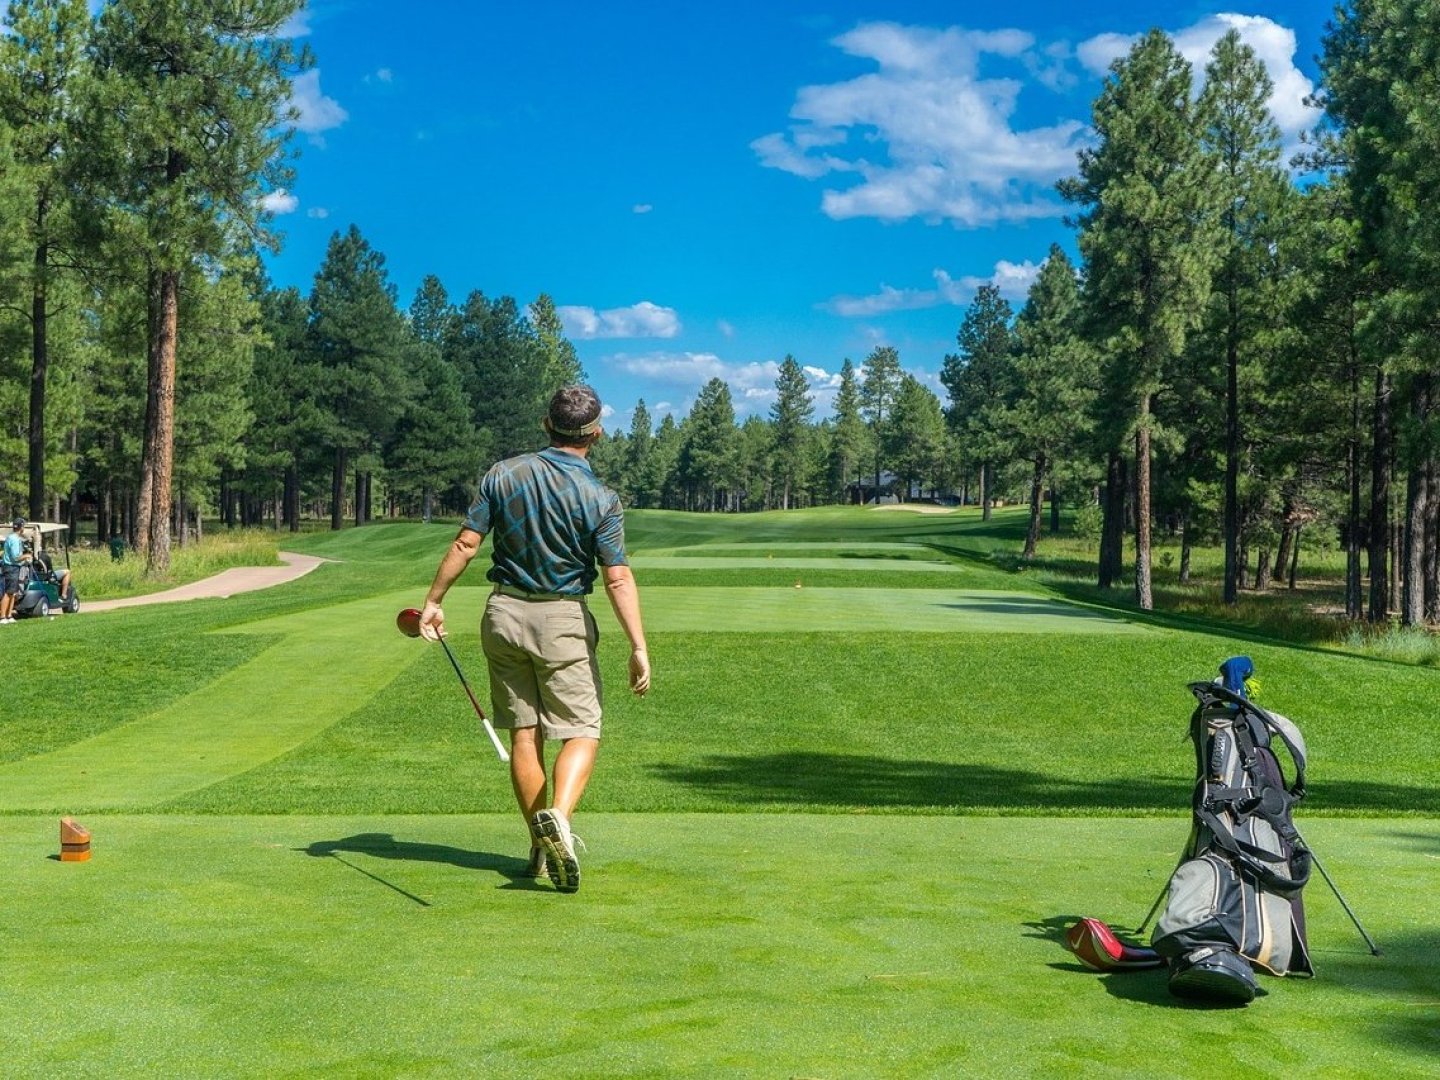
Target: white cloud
x,y
641,208
1274,44
298,25
384,75
317,112
927,134
642,320
1012,279
694,369
751,383
317,212
725,327
931,132
279,201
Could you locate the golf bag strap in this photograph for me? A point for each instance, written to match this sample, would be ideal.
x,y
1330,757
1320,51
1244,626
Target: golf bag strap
x,y
1212,695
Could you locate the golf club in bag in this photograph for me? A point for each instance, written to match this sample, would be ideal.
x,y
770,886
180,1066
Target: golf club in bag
x,y
408,623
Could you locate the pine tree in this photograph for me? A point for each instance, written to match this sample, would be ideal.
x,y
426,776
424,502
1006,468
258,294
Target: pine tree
x,y
878,390
919,435
1146,224
43,65
850,440
1055,376
980,380
356,342
709,455
185,142
559,363
1244,140
642,487
791,414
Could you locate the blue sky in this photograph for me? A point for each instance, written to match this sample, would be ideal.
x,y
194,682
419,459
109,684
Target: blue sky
x,y
703,189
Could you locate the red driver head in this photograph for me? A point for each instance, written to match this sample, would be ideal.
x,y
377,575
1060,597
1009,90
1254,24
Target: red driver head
x,y
408,622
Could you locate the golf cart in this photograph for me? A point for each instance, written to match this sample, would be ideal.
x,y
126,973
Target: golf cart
x,y
45,588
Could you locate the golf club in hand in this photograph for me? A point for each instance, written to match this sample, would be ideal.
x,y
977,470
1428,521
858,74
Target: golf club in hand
x,y
408,623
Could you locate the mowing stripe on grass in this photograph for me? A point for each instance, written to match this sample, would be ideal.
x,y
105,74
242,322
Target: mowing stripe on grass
x,y
858,563
327,663
802,610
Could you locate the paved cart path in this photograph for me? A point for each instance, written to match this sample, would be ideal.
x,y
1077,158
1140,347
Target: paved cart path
x,y
227,583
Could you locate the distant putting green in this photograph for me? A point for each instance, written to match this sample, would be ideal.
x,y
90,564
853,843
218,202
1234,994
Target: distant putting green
x,y
723,609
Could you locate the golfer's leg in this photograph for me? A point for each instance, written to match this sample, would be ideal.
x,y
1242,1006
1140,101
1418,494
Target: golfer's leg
x,y
527,770
573,766
515,700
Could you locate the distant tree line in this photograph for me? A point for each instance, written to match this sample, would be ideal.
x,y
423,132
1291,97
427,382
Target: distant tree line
x,y
1237,356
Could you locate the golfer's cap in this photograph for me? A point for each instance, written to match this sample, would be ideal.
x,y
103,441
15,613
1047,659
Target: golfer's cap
x,y
574,433
18,523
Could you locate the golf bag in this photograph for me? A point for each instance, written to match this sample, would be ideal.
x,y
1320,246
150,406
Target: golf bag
x,y
1235,899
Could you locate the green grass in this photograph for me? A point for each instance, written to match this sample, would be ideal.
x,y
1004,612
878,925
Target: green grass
x,y
840,837
718,945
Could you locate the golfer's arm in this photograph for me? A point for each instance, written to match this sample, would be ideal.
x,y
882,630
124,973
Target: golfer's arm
x,y
625,599
466,547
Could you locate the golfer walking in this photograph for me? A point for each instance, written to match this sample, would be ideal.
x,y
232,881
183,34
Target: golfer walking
x,y
550,521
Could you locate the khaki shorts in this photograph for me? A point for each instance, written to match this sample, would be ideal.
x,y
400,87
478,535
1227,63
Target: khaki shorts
x,y
541,656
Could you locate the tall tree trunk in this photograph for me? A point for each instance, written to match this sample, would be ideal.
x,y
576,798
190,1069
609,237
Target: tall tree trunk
x,y
1295,557
1354,594
1112,521
1232,452
1380,500
1037,486
1397,553
1287,537
39,366
103,528
1143,595
1432,538
1262,569
337,488
158,458
1242,564
1185,526
985,496
1054,505
292,497
359,497
1417,511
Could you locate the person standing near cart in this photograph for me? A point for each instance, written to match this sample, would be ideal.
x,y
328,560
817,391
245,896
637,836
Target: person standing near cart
x,y
12,558
551,522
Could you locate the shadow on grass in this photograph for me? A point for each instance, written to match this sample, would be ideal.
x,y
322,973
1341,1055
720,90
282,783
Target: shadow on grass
x,y
1144,986
385,846
1405,976
1028,605
849,780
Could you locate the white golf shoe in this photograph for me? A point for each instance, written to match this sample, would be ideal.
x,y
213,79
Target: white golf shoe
x,y
552,832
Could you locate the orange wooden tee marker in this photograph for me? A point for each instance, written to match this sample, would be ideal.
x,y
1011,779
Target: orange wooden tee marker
x,y
74,841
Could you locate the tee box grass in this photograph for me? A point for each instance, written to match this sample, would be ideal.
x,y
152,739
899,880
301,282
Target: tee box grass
x,y
840,838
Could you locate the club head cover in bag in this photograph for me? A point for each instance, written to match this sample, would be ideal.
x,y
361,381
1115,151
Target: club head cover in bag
x,y
1214,976
1098,948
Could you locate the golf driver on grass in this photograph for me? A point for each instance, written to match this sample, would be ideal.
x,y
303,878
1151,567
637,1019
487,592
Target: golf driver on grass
x,y
408,622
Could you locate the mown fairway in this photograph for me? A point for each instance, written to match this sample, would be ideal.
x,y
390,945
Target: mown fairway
x,y
876,778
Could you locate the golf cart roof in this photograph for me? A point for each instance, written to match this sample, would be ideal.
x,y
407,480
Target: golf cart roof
x,y
41,527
